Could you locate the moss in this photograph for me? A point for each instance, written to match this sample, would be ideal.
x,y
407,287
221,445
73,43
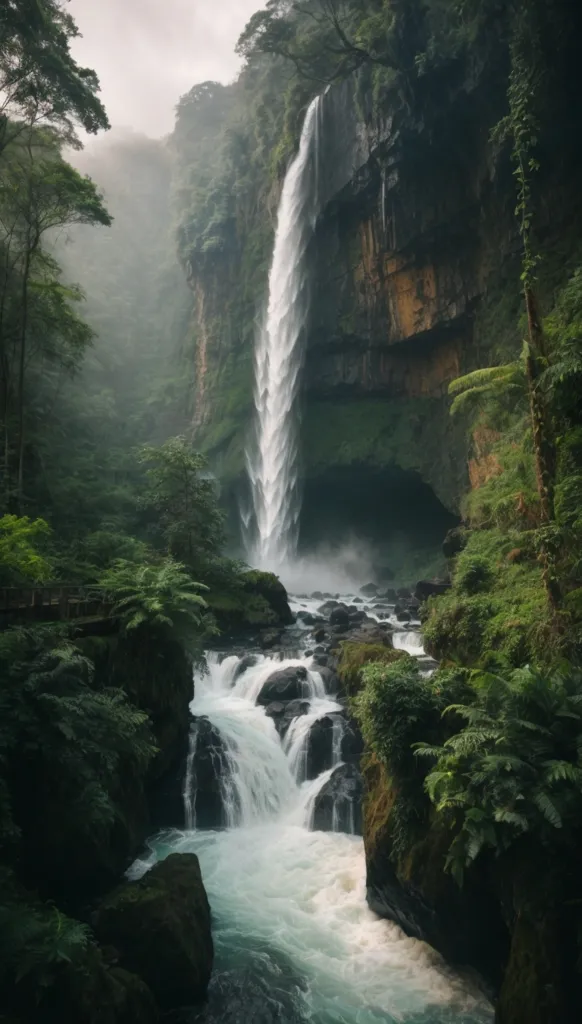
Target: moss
x,y
258,599
413,434
507,613
354,656
160,927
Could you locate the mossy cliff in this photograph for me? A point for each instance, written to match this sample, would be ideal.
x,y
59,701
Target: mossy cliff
x,y
414,268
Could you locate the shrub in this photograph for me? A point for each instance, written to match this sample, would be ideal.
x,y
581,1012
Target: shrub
x,y
160,596
21,544
515,768
79,743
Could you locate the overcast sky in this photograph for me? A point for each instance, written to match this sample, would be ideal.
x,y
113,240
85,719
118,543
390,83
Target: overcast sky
x,y
147,53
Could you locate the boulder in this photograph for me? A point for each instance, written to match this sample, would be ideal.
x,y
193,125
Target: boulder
x,y
352,746
342,793
248,661
369,590
270,638
317,595
391,596
371,633
340,616
319,635
403,615
404,593
209,766
328,607
283,713
285,684
357,600
319,747
430,588
160,927
357,617
306,617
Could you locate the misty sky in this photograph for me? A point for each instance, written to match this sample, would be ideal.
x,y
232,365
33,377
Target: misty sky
x,y
147,53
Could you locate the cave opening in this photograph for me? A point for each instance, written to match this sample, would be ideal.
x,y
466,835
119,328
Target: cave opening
x,y
389,517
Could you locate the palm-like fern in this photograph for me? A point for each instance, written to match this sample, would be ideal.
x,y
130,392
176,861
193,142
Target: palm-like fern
x,y
515,767
491,382
163,595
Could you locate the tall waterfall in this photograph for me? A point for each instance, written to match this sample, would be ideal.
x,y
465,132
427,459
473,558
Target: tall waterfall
x,y
272,465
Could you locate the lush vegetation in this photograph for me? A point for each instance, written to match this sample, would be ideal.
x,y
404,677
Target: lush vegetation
x,y
97,488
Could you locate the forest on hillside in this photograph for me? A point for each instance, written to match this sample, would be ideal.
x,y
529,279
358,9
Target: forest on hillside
x,y
133,276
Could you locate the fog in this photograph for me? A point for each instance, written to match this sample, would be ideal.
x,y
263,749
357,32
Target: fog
x,y
147,53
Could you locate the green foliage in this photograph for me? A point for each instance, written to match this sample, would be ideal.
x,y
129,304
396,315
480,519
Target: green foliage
x,y
37,939
353,657
394,707
162,597
515,767
40,82
78,742
488,385
496,607
182,499
21,544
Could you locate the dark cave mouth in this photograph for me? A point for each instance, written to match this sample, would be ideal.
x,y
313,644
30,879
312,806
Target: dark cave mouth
x,y
391,517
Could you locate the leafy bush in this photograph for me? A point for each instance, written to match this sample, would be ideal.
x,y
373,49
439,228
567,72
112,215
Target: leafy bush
x,y
473,573
158,596
181,499
353,657
515,768
496,606
78,742
21,544
394,708
35,939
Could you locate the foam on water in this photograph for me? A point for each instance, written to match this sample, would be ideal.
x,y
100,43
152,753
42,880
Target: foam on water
x,y
289,903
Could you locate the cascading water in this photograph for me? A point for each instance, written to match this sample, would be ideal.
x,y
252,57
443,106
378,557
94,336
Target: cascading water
x,y
272,465
295,941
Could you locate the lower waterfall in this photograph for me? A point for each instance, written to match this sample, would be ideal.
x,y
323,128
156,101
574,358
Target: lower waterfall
x,y
295,940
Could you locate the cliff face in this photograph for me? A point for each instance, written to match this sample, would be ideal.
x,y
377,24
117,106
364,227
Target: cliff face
x,y
414,281
407,240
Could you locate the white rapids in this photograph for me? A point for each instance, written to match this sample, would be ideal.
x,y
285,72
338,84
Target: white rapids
x,y
289,904
272,464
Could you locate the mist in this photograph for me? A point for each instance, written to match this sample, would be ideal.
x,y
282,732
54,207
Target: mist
x,y
147,54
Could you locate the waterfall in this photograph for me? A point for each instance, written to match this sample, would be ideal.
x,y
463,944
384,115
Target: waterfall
x,y
290,922
272,465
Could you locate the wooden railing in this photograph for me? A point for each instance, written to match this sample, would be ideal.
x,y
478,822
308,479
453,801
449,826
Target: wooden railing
x,y
51,601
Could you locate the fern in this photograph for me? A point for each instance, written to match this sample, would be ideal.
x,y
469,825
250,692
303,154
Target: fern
x,y
486,383
514,768
162,596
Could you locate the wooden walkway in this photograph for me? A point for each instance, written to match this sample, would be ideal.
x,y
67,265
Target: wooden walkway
x,y
55,602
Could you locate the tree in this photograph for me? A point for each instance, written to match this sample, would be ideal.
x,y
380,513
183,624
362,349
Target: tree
x,y
182,499
41,193
325,39
40,82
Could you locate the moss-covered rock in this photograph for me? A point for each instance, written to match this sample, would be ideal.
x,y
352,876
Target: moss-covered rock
x,y
257,601
353,657
412,887
160,926
156,673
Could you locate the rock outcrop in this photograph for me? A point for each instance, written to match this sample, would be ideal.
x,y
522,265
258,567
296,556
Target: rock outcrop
x,y
160,929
